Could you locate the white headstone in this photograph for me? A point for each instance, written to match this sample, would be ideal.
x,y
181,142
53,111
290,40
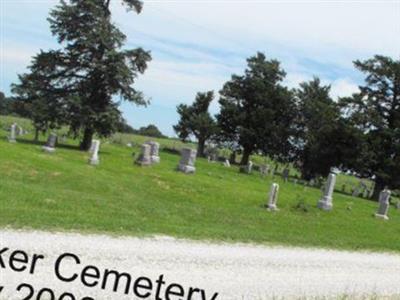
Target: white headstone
x,y
94,159
154,151
50,146
188,159
13,133
249,167
227,163
325,202
93,145
273,197
384,197
144,158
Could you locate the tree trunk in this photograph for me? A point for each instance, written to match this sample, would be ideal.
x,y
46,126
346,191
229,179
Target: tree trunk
x,y
246,156
200,148
379,186
232,158
87,139
36,137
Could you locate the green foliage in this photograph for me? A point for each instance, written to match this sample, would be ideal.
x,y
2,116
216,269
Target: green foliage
x,y
75,85
150,130
196,120
324,139
375,111
5,104
257,112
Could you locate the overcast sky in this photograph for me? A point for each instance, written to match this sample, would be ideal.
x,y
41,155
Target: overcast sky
x,y
197,45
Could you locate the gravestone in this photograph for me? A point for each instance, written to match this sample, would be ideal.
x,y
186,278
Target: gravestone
x,y
144,158
273,197
285,174
249,167
227,163
384,197
13,133
93,145
94,159
208,158
154,151
343,188
325,202
188,159
50,146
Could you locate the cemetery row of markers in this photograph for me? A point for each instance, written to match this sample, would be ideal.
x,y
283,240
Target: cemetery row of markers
x,y
150,155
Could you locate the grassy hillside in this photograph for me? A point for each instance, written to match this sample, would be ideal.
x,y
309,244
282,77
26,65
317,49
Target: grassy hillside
x,y
61,191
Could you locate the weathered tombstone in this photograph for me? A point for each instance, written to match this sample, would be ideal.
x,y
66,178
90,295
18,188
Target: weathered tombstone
x,y
227,163
325,202
295,181
311,182
208,158
249,167
285,174
93,145
144,158
94,159
384,197
273,197
188,159
50,146
154,151
13,133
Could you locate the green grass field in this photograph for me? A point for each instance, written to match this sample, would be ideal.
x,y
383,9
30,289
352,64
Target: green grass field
x,y
61,191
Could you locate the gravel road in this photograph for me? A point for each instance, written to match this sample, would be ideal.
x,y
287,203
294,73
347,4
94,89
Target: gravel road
x,y
234,271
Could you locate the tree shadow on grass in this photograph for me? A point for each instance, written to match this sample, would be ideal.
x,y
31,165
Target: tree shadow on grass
x,y
41,143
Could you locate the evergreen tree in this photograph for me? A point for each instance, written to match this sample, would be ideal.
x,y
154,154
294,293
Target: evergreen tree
x,y
375,111
257,112
82,77
196,120
324,139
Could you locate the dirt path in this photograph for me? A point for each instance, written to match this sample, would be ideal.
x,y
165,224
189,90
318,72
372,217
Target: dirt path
x,y
234,271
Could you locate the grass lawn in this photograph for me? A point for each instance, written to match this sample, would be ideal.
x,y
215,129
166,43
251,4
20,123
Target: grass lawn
x,y
61,191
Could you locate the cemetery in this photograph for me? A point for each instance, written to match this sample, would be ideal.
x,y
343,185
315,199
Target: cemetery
x,y
178,194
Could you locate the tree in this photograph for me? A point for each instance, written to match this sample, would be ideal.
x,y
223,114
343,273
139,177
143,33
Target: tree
x,y
257,112
324,139
196,120
375,111
91,67
150,130
4,104
36,96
